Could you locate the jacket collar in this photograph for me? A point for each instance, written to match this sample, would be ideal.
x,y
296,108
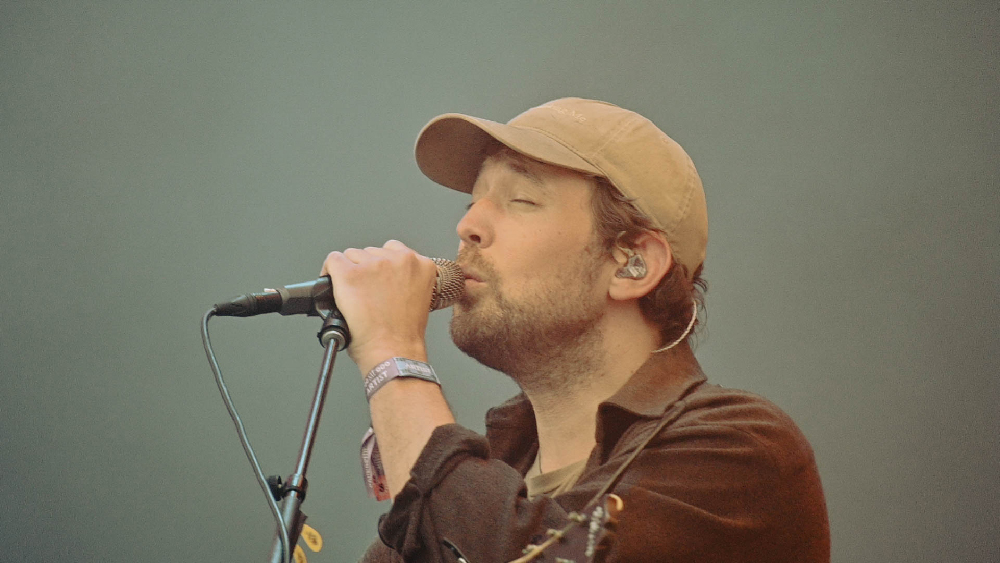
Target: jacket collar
x,y
656,385
661,381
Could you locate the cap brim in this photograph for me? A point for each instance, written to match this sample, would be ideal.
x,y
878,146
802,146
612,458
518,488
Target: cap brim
x,y
451,148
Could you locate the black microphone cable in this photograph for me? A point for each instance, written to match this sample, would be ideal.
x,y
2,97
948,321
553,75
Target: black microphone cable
x,y
244,439
308,298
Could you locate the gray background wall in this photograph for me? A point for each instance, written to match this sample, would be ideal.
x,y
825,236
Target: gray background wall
x,y
156,158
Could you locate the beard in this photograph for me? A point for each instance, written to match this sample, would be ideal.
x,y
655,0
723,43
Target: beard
x,y
556,325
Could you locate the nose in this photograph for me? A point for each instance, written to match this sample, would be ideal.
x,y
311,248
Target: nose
x,y
476,226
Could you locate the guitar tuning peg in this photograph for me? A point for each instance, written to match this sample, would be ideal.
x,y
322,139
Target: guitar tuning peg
x,y
614,504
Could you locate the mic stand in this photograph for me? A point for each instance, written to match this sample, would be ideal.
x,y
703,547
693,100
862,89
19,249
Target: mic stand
x,y
292,492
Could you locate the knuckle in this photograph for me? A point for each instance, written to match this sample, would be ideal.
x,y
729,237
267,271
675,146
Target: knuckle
x,y
411,259
423,265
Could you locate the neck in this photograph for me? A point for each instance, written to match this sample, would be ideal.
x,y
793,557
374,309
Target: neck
x,y
566,387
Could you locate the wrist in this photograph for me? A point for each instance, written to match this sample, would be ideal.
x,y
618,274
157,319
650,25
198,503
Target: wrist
x,y
397,367
366,360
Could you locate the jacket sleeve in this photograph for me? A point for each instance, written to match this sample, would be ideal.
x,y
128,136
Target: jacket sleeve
x,y
378,552
457,493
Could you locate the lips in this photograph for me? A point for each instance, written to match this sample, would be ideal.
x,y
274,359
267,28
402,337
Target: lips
x,y
471,274
474,266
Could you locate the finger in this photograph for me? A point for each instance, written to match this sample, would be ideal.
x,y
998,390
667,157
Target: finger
x,y
396,248
395,245
335,260
369,252
378,251
392,249
358,255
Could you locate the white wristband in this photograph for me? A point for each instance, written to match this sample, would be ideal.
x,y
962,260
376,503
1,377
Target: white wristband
x,y
397,367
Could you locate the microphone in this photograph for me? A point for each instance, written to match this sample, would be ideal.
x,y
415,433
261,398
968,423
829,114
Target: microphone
x,y
315,298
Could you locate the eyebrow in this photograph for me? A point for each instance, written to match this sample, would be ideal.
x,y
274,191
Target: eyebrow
x,y
523,170
520,169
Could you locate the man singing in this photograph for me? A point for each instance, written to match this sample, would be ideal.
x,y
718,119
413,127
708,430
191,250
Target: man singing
x,y
582,247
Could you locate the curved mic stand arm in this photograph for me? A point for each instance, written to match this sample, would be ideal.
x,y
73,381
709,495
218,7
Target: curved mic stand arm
x,y
292,492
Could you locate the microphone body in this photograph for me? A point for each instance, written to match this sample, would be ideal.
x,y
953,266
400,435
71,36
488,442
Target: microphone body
x,y
315,298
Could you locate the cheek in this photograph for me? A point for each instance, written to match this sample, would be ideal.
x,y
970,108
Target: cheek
x,y
532,252
544,262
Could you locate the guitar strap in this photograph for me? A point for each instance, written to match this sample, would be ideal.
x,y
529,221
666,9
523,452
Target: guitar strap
x,y
671,415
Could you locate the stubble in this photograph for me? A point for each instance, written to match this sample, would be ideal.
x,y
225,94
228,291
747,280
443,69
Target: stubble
x,y
539,340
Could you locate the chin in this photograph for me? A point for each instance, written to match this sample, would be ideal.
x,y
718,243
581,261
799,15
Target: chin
x,y
472,330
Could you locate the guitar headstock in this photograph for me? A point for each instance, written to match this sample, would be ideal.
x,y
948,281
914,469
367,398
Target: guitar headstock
x,y
585,539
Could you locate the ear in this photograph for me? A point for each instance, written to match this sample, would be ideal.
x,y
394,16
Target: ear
x,y
655,251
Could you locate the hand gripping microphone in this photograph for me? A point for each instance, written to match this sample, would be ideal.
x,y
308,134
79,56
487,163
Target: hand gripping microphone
x,y
315,298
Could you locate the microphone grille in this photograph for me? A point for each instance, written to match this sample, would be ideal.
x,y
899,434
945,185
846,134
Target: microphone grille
x,y
450,284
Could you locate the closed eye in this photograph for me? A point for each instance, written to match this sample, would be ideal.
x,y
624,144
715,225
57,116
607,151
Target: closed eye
x,y
523,201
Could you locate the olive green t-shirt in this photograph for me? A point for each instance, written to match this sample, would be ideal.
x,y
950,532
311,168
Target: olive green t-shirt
x,y
555,482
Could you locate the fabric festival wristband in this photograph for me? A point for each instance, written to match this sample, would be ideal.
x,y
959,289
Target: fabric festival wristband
x,y
371,468
397,367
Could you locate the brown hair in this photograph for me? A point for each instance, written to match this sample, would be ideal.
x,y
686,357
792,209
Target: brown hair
x,y
669,305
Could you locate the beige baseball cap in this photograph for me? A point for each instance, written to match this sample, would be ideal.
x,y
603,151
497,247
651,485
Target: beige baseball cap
x,y
592,137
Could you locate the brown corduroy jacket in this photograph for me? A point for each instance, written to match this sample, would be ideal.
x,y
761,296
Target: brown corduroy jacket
x,y
730,479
